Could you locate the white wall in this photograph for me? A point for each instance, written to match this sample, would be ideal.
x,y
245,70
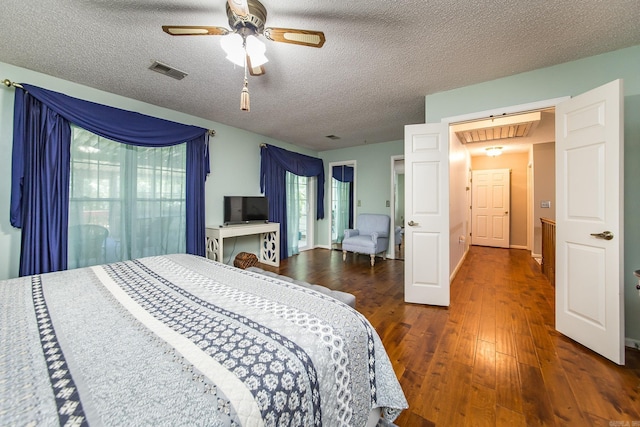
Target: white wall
x,y
544,184
459,202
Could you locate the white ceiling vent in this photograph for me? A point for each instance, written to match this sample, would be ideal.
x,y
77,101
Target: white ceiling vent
x,y
168,70
502,127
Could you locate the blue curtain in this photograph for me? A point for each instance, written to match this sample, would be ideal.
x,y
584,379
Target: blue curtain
x,y
343,173
44,192
274,163
40,168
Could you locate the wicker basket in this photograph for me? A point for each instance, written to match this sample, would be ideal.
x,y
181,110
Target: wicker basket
x,y
245,260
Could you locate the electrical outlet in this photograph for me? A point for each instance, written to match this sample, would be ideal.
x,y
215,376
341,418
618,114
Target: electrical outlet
x,y
388,203
359,203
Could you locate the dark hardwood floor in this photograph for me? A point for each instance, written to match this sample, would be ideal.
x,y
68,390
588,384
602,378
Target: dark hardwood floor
x,y
493,357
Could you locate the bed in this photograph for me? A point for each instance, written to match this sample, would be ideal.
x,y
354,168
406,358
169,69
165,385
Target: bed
x,y
182,340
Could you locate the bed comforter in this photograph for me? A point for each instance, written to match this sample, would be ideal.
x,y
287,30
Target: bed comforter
x,y
181,340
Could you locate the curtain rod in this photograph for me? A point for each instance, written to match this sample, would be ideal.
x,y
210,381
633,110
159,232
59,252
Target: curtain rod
x,y
9,83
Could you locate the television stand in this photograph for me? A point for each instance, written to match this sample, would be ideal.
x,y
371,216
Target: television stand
x,y
269,240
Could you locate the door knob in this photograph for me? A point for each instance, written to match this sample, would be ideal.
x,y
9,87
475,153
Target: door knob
x,y
606,235
412,224
506,212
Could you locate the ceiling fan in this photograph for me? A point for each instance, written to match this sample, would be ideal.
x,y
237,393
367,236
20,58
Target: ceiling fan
x,y
247,20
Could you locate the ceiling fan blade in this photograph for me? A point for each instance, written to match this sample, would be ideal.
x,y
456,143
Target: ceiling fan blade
x,y
239,7
255,71
290,35
191,30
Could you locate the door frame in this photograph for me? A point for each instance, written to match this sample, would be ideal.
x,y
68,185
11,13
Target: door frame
x,y
392,210
352,163
513,109
431,128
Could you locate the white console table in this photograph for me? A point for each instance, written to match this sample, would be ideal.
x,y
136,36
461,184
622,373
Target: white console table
x,y
269,240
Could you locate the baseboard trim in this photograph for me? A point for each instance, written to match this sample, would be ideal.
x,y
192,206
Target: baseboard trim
x,y
631,343
517,247
455,270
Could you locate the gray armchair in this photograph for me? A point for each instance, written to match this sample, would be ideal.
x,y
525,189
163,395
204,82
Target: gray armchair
x,y
371,237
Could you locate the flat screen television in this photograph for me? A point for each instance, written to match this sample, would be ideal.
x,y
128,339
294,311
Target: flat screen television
x,y
245,209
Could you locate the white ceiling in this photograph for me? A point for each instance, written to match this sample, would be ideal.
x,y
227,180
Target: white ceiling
x,y
370,79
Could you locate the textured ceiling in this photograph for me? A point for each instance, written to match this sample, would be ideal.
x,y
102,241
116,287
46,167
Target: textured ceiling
x,y
379,61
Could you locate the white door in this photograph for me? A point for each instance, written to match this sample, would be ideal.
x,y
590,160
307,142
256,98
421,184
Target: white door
x,y
490,201
426,236
589,249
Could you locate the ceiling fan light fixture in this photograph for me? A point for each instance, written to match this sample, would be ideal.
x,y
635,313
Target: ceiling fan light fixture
x,y
256,49
234,47
247,20
255,46
236,58
258,60
493,151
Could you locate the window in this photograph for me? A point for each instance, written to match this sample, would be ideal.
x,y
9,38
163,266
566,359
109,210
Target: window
x,y
125,201
300,193
339,209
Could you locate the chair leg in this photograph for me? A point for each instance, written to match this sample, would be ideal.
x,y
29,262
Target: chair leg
x,y
344,255
373,259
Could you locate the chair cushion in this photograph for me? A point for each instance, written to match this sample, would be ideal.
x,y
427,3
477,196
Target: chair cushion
x,y
368,223
345,297
360,243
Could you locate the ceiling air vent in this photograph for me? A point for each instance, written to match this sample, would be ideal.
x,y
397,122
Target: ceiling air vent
x,y
168,70
334,137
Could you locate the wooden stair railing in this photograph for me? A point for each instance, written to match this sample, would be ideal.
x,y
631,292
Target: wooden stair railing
x,y
549,249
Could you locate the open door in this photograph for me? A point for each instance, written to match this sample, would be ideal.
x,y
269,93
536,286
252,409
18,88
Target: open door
x,y
589,218
426,235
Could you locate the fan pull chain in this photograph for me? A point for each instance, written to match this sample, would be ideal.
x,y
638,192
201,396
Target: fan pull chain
x,y
244,95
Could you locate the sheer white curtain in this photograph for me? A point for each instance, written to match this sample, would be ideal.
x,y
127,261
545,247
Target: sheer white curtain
x,y
340,214
125,202
293,213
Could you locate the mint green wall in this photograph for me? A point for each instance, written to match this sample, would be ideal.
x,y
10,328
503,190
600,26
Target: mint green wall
x,y
235,157
373,180
571,79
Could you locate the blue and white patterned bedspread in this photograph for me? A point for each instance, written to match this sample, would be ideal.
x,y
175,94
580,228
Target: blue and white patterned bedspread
x,y
179,340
